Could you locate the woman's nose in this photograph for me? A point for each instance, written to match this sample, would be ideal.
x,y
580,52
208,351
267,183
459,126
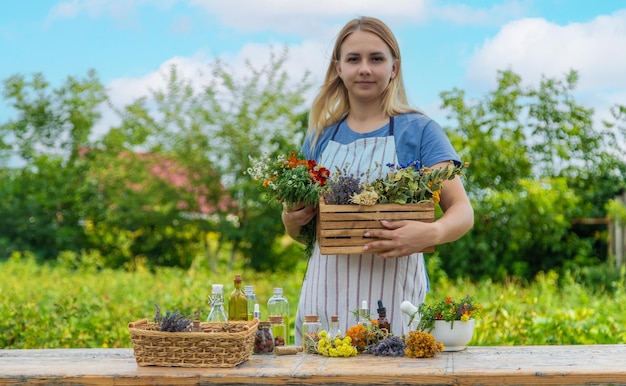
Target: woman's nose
x,y
364,69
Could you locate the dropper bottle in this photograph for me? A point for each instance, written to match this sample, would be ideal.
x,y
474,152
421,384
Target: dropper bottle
x,y
383,322
364,314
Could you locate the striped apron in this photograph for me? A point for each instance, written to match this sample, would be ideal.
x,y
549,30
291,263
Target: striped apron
x,y
337,284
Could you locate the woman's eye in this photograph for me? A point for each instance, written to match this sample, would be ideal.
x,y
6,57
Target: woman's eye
x,y
353,59
377,59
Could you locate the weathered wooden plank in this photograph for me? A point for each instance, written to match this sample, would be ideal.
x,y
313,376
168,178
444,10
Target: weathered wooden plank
x,y
519,365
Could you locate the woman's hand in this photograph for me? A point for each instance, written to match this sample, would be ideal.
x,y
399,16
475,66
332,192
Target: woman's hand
x,y
297,216
402,238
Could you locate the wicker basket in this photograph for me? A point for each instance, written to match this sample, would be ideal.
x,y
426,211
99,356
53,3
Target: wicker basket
x,y
220,345
340,228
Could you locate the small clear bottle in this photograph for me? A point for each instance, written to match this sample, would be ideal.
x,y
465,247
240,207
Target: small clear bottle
x,y
251,298
256,314
364,314
237,302
279,330
310,331
333,328
216,301
264,340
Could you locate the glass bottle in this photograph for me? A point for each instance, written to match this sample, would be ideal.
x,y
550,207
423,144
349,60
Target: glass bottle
x,y
264,340
237,302
279,330
278,305
216,301
256,314
251,298
310,330
333,329
364,314
383,322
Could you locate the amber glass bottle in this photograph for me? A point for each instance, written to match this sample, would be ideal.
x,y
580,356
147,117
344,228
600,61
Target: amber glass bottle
x,y
383,322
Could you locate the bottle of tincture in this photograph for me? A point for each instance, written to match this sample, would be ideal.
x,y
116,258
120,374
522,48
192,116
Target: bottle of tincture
x,y
279,330
333,329
248,290
237,302
216,301
278,305
310,331
382,317
364,314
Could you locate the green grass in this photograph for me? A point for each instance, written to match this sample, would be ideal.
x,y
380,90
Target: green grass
x,y
57,307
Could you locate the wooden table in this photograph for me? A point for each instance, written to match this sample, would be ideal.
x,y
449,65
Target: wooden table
x,y
520,365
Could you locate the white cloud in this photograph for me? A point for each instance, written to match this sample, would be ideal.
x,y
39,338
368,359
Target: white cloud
x,y
116,9
306,18
535,47
308,56
463,14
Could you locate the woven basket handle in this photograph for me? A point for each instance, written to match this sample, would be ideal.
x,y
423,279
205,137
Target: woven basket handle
x,y
137,323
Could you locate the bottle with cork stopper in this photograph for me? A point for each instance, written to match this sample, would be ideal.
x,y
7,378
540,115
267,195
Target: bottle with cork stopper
x,y
237,302
310,333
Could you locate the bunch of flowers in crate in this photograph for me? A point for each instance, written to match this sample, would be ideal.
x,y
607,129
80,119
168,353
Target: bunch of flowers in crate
x,y
408,192
403,184
405,193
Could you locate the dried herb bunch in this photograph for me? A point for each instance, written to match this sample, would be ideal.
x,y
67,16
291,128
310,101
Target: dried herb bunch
x,y
174,321
413,184
420,344
393,346
342,187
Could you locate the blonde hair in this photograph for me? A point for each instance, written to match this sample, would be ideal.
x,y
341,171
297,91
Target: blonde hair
x,y
331,103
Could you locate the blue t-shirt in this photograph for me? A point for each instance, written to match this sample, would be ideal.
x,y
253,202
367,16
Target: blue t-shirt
x,y
417,138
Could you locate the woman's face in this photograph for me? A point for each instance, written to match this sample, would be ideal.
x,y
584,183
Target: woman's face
x,y
366,65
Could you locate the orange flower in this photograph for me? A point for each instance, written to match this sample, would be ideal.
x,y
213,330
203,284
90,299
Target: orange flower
x,y
358,334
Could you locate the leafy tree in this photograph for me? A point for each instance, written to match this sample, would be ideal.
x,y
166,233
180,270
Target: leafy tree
x,y
217,126
537,163
43,202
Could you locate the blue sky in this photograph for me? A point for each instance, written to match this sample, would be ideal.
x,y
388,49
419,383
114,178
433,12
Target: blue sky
x,y
445,44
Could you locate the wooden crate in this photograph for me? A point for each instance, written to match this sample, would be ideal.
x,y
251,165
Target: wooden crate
x,y
340,228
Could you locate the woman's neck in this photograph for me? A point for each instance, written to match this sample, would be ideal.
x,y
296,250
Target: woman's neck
x,y
366,119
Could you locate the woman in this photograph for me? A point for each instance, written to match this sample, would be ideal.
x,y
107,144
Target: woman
x,y
361,121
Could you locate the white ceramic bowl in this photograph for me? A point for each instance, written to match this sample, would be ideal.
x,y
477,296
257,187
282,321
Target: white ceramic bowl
x,y
454,338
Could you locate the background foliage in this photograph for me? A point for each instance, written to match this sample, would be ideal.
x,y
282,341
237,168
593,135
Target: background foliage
x,y
61,306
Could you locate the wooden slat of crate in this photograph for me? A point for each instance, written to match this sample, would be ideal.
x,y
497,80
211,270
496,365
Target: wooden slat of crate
x,y
340,228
